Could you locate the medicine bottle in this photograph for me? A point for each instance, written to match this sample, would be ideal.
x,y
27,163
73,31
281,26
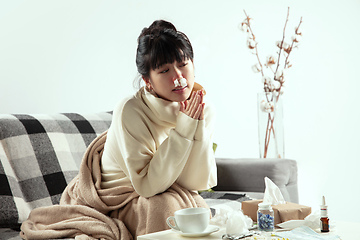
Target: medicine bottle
x,y
265,217
324,219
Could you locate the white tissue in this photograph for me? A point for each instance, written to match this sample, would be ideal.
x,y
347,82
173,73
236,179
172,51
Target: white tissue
x,y
222,208
229,215
312,221
272,193
176,82
238,223
181,82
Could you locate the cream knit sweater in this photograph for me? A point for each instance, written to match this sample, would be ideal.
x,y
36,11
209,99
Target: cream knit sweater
x,y
151,144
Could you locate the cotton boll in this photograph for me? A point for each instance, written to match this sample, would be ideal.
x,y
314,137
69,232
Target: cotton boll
x,y
266,79
271,59
298,31
256,68
275,85
267,88
282,79
266,106
278,44
263,105
248,21
296,38
285,45
279,74
282,90
243,27
251,43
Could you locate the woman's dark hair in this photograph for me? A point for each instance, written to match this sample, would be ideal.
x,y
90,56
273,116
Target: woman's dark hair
x,y
160,44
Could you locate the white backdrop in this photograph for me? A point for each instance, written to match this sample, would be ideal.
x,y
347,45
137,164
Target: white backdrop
x,y
79,56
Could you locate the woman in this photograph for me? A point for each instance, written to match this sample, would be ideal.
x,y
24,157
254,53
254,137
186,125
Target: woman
x,y
159,137
151,162
150,144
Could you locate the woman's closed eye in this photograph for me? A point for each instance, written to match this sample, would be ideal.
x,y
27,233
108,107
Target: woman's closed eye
x,y
184,64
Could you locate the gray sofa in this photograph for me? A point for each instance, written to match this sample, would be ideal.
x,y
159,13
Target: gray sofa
x,y
40,154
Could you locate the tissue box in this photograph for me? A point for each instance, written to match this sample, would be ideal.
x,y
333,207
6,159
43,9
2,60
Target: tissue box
x,y
282,212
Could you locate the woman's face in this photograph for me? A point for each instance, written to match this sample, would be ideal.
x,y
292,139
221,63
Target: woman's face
x,y
162,80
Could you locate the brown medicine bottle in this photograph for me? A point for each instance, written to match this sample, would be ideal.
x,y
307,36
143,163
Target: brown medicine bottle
x,y
324,225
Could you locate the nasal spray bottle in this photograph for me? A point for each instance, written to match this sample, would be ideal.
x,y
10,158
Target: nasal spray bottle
x,y
324,225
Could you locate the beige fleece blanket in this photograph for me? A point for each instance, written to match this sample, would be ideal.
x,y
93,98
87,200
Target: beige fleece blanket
x,y
88,212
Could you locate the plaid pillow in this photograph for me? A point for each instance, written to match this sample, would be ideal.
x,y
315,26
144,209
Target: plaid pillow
x,y
40,155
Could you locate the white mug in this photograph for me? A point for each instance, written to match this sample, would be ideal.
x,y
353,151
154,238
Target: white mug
x,y
190,220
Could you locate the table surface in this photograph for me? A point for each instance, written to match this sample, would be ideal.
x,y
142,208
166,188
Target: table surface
x,y
346,231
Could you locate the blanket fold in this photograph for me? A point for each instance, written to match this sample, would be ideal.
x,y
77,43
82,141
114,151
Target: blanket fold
x,y
88,212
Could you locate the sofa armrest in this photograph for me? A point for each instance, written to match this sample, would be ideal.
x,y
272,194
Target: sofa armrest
x,y
39,155
247,175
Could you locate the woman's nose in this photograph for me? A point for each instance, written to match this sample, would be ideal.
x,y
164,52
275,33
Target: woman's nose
x,y
178,74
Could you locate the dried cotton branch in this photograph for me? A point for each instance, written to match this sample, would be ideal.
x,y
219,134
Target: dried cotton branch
x,y
275,84
272,61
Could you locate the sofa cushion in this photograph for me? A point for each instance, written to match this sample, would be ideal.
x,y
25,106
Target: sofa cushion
x,y
40,154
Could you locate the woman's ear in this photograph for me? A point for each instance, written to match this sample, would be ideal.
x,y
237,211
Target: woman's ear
x,y
146,79
147,83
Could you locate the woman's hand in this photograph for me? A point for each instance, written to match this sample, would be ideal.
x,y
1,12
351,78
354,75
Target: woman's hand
x,y
194,107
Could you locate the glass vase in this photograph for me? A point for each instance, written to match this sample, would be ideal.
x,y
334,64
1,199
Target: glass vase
x,y
270,123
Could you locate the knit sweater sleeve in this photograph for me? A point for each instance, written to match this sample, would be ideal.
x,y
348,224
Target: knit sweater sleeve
x,y
200,172
152,168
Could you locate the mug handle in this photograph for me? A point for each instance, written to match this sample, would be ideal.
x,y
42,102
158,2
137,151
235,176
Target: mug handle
x,y
176,227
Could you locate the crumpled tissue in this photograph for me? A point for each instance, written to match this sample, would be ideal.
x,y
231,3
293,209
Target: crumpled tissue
x,y
237,223
312,221
230,216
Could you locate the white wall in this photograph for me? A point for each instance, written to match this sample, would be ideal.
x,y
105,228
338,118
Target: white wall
x,y
65,56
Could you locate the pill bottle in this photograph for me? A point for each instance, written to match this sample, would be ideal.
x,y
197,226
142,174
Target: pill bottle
x,y
265,217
